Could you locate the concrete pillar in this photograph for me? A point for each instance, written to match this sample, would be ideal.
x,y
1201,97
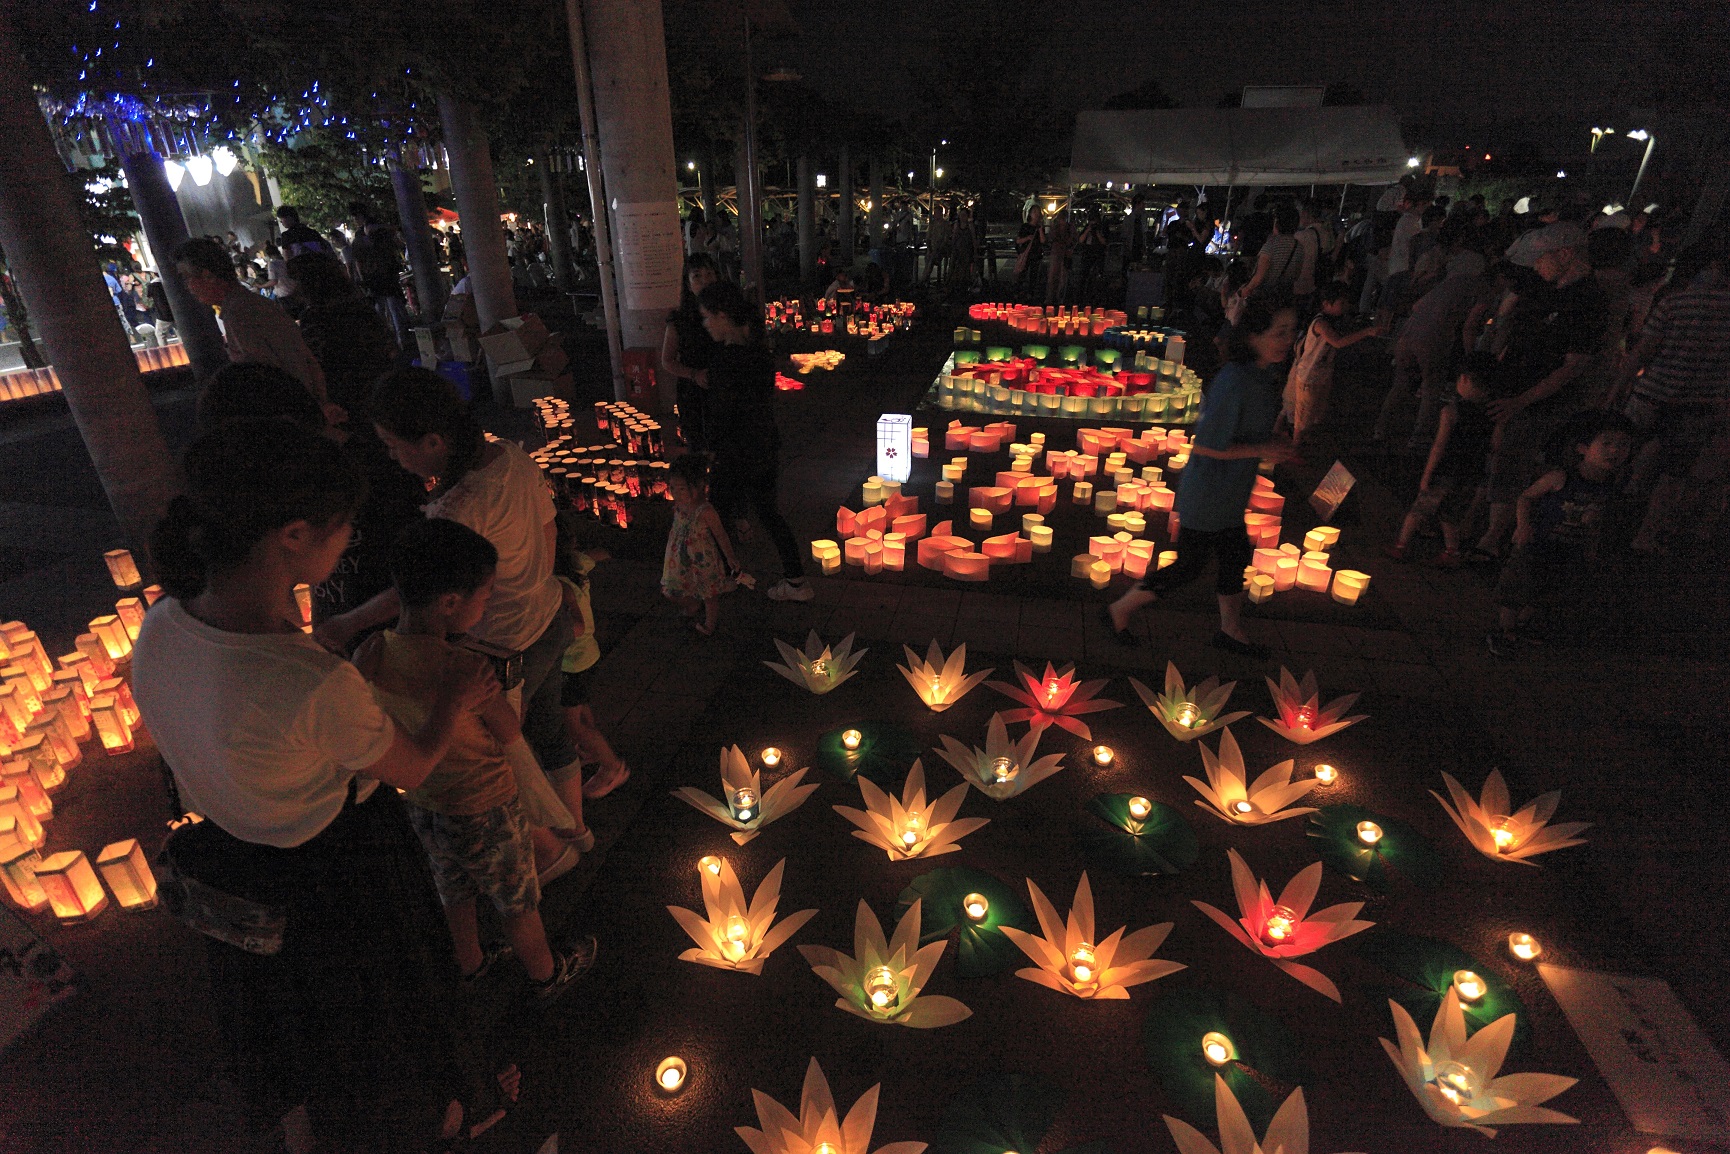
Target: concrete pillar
x,y
477,197
750,223
430,287
706,182
807,223
874,218
558,224
844,224
165,229
627,54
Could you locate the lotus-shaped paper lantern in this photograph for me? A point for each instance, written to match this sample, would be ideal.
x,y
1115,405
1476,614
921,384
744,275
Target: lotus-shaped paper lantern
x,y
747,807
1257,803
1187,712
881,982
908,827
819,1127
1286,929
1302,716
1497,832
819,668
940,683
737,936
1455,1078
1288,1133
1003,768
1054,699
1071,958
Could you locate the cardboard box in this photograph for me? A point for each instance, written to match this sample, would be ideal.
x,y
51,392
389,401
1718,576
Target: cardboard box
x,y
460,307
524,388
462,348
514,341
428,341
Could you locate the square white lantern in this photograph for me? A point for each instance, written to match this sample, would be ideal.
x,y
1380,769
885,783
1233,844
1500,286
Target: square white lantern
x,y
895,446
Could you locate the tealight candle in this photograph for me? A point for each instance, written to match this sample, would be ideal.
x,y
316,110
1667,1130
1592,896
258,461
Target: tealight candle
x,y
1469,985
1327,774
1458,1082
1280,925
1186,715
1243,807
1003,770
976,907
670,1074
879,986
1217,1048
1524,946
1139,808
1102,755
1306,717
771,757
851,738
1083,964
745,804
1369,832
1505,837
710,864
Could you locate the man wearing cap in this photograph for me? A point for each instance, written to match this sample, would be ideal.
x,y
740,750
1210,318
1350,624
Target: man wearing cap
x,y
1550,333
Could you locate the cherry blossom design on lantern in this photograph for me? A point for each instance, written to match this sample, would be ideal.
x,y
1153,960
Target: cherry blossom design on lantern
x,y
908,827
747,808
1003,768
1501,834
881,982
940,683
1262,801
1072,960
819,668
1285,929
819,1127
1288,1133
1454,1078
737,936
1187,712
1054,699
1302,717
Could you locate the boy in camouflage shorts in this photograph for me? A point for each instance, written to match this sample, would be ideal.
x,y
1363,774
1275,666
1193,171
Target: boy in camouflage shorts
x,y
466,811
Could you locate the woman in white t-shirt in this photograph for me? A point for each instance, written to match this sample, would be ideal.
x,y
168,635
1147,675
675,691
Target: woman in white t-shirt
x,y
496,490
280,747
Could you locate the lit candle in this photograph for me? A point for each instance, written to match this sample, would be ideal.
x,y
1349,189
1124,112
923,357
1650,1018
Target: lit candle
x,y
1082,964
1186,715
71,886
820,668
1139,808
880,988
670,1074
1003,770
1306,717
1505,837
710,864
1102,755
745,804
910,831
1369,832
976,907
1469,985
1524,946
1327,774
1280,925
1243,807
1217,1048
1458,1082
851,738
771,757
123,569
128,874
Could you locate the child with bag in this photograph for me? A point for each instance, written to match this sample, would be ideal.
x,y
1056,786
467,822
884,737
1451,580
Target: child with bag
x,y
467,812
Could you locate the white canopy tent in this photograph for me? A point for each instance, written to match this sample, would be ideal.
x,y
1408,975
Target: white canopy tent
x,y
1239,146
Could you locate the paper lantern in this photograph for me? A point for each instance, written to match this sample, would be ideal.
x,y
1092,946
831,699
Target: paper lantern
x,y
979,518
115,641
18,866
1167,557
17,680
954,472
110,724
1313,572
1321,538
874,558
1135,563
127,872
27,828
1104,501
152,594
1285,574
1099,575
57,739
1040,536
827,554
871,493
910,526
1083,492
1261,587
964,565
123,569
33,750
1349,585
123,695
21,776
1009,548
894,552
946,489
1266,560
995,498
895,446
1267,502
73,891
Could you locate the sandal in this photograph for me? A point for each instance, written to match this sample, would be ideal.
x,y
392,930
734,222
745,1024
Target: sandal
x,y
605,781
581,842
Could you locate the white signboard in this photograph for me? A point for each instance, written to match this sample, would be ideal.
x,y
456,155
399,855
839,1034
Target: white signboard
x,y
1662,1069
650,254
1331,493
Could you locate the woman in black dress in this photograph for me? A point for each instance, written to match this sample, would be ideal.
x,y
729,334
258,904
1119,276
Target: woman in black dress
x,y
686,349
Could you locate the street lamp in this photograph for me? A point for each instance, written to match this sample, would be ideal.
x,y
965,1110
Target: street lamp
x,y
1412,162
1641,134
1598,135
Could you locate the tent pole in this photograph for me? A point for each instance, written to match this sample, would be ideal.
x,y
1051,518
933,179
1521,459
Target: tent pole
x,y
1341,211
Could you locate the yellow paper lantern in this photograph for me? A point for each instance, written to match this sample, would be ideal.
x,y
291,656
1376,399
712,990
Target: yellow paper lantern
x,y
18,866
74,893
127,872
110,725
123,569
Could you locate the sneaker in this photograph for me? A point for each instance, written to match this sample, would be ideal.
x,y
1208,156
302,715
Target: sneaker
x,y
786,590
490,956
567,968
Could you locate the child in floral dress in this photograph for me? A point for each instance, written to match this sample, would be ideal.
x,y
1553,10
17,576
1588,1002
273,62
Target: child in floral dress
x,y
699,565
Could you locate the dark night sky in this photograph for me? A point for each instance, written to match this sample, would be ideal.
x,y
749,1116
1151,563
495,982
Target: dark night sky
x,y
1458,64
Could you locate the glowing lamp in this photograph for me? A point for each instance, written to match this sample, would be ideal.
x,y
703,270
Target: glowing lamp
x,y
1349,585
224,160
1524,946
123,569
21,776
1083,965
976,907
18,866
670,1075
201,168
127,872
1139,808
825,1148
979,518
1242,807
123,697
1099,574
1003,770
880,988
771,757
1217,1048
1469,985
1458,1082
25,826
1103,755
710,864
1187,715
744,804
73,891
115,642
152,594
1281,923
1083,492
1369,832
1327,774
1504,836
96,655
945,491
303,604
851,738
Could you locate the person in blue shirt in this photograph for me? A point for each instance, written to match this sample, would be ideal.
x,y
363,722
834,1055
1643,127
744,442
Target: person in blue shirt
x,y
1235,433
